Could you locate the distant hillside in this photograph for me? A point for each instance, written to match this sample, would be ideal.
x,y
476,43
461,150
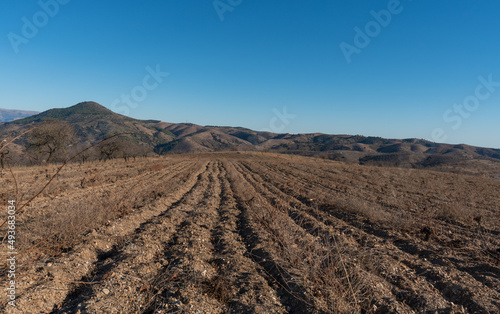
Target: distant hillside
x,y
10,114
93,122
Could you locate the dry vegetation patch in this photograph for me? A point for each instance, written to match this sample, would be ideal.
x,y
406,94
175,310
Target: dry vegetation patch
x,y
245,232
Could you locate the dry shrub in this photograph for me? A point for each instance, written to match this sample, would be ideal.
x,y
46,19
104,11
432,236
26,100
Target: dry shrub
x,y
65,226
401,221
374,212
219,287
314,263
454,211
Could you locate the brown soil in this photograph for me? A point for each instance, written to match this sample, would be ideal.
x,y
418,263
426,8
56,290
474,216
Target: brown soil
x,y
253,233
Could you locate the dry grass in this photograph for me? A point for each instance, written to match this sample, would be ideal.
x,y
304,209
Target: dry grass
x,y
455,211
77,201
219,288
315,264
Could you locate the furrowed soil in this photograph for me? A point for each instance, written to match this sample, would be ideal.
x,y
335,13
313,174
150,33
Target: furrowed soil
x,y
250,233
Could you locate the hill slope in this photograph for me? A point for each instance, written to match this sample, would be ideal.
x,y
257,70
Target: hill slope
x,y
93,122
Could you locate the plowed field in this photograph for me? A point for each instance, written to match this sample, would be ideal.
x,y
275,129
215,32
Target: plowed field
x,y
251,233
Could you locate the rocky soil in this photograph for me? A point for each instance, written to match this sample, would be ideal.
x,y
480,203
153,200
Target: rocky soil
x,y
252,233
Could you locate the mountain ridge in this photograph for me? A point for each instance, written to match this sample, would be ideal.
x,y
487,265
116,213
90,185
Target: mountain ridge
x,y
7,115
93,122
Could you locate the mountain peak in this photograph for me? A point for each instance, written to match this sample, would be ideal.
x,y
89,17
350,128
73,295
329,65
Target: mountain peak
x,y
83,108
88,107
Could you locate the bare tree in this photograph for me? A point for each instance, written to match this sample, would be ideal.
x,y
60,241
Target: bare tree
x,y
110,149
129,149
133,150
123,147
145,151
84,153
49,139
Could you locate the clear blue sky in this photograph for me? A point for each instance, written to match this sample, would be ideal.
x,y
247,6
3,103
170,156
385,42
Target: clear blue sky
x,y
234,63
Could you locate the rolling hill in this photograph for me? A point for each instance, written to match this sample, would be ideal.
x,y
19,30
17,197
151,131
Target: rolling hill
x,y
93,122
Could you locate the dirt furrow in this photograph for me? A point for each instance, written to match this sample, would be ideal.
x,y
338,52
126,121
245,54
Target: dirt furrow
x,y
267,247
126,269
402,291
252,292
456,289
93,180
256,233
99,202
373,194
209,271
114,177
83,258
450,231
190,282
429,262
